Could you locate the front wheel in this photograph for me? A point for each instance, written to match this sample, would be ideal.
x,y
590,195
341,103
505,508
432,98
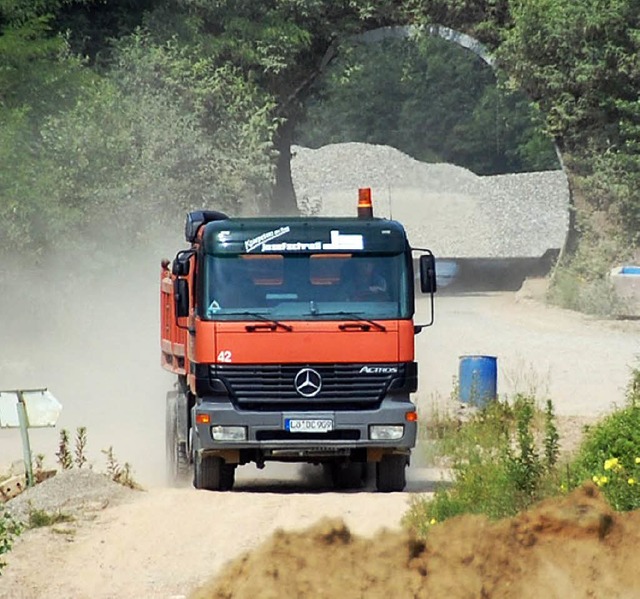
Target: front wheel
x,y
347,475
391,473
212,473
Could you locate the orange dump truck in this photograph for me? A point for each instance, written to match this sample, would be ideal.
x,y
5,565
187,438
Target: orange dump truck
x,y
292,339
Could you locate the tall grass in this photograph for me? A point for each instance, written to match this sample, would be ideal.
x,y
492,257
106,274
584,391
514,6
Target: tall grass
x,y
503,459
506,457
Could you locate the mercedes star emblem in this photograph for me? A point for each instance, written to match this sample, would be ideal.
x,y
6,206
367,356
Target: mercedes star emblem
x,y
308,382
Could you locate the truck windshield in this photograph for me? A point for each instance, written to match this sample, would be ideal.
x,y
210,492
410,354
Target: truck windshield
x,y
306,286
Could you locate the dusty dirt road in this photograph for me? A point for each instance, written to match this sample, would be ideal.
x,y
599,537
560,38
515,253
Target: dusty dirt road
x,y
165,541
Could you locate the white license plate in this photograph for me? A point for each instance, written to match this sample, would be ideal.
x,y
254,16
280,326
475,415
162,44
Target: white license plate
x,y
295,425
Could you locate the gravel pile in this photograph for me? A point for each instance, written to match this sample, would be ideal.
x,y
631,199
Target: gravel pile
x,y
70,492
447,208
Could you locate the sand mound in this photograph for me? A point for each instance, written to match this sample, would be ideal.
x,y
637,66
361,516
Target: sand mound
x,y
574,546
69,492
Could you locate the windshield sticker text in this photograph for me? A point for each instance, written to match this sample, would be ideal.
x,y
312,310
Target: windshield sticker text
x,y
338,242
252,244
296,246
344,242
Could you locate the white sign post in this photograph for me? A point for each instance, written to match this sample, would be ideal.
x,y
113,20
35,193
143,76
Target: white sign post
x,y
28,408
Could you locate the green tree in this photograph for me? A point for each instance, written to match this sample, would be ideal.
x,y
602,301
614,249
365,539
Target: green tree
x,y
579,62
431,99
163,132
284,45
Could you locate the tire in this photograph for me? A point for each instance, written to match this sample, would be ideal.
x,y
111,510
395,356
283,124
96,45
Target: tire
x,y
177,462
391,473
347,475
212,473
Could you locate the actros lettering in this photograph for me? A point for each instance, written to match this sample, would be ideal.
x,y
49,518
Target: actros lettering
x,y
378,370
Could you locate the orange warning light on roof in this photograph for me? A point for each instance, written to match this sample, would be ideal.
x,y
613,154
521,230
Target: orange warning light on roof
x,y
364,197
365,206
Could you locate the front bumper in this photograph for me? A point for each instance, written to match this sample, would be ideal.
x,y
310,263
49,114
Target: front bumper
x,y
267,435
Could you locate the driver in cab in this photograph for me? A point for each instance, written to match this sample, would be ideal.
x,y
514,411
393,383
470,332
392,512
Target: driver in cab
x,y
363,282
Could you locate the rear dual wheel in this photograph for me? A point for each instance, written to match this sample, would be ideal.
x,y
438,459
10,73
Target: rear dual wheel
x,y
177,461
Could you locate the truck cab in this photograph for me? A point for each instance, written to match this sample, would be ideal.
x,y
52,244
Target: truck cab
x,y
292,340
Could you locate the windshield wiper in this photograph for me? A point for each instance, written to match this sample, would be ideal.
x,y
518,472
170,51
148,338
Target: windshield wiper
x,y
354,316
274,324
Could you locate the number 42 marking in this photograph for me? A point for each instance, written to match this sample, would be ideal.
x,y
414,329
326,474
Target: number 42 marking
x,y
224,356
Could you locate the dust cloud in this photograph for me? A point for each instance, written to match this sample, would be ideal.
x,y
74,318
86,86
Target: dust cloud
x,y
86,326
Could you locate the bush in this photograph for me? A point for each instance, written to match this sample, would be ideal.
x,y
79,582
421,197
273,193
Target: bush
x,y
40,518
9,529
596,297
581,282
503,460
610,453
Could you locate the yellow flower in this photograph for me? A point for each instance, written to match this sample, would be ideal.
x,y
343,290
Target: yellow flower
x,y
563,487
433,521
600,480
595,479
631,481
612,464
637,460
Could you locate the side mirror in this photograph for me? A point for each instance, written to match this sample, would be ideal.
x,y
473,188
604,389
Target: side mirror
x,y
181,297
180,267
428,274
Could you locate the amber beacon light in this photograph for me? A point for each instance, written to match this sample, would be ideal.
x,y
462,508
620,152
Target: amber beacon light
x,y
365,207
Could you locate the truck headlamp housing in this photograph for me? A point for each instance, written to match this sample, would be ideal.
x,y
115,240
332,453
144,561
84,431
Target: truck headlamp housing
x,y
229,433
386,432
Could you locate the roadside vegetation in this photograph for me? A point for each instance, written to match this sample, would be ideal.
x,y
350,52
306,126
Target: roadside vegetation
x,y
610,453
73,454
507,457
581,280
9,530
503,459
41,518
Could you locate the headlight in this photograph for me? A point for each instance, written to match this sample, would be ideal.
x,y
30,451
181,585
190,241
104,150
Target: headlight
x,y
229,433
386,432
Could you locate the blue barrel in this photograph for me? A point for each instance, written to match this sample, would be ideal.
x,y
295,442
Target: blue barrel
x,y
478,379
630,270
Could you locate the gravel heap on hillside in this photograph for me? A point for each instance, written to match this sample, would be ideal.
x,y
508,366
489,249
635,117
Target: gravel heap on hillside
x,y
444,207
69,492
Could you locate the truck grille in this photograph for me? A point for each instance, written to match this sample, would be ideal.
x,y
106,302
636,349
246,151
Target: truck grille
x,y
342,385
